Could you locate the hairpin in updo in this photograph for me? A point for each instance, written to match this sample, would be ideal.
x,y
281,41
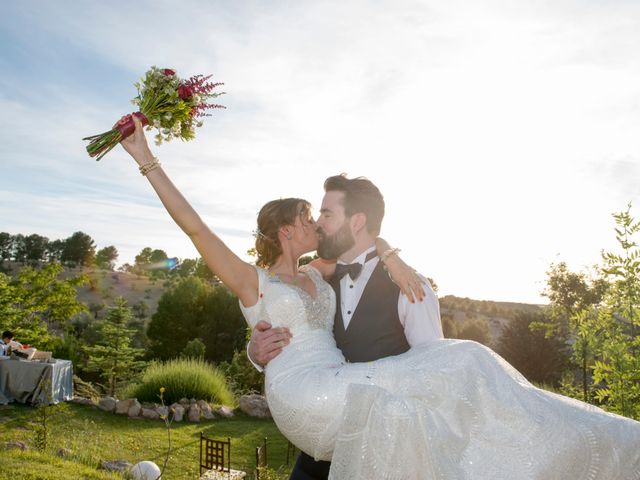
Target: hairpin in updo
x,y
258,234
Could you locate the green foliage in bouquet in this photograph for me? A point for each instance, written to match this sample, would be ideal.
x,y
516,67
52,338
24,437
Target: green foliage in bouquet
x,y
171,105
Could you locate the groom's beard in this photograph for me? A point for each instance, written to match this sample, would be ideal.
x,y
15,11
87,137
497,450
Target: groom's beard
x,y
331,247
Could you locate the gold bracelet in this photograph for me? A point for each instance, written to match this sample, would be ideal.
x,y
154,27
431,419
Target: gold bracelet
x,y
387,253
147,167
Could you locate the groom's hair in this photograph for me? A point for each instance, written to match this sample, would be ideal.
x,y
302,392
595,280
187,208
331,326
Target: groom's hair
x,y
360,196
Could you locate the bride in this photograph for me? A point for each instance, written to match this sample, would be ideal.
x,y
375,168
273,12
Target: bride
x,y
449,409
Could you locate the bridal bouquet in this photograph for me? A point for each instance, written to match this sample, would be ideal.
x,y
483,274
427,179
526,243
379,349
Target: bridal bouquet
x,y
166,102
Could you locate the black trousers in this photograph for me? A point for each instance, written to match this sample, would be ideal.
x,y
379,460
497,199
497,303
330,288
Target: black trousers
x,y
306,468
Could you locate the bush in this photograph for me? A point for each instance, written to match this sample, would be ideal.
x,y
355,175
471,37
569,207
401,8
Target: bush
x,y
182,378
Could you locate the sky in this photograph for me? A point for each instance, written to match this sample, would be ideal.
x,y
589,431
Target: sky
x,y
503,135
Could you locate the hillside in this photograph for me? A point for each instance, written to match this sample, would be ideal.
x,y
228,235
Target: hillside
x,y
105,286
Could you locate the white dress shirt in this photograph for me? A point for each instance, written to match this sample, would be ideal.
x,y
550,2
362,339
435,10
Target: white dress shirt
x,y
421,320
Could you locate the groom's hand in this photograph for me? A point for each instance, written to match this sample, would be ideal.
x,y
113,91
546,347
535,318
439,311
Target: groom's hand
x,y
267,342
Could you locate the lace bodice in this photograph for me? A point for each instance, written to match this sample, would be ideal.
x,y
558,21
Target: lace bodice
x,y
287,305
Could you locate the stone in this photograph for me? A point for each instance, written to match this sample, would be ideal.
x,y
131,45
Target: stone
x,y
178,412
149,413
193,414
16,444
64,452
192,401
82,401
162,411
224,411
134,409
123,406
255,406
108,404
115,465
145,470
205,408
184,401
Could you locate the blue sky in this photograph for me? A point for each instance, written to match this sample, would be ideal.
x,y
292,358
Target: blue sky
x,y
503,134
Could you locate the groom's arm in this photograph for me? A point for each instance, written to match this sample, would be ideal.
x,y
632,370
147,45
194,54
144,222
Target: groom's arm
x,y
421,320
266,343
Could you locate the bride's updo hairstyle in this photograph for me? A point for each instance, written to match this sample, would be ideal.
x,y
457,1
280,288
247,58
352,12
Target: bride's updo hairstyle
x,y
272,216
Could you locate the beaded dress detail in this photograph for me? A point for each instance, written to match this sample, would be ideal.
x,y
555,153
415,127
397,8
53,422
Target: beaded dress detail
x,y
450,409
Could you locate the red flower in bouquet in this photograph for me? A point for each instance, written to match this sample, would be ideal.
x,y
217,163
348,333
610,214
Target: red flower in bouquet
x,y
167,103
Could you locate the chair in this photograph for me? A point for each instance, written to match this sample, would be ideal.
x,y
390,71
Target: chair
x,y
291,450
261,458
215,460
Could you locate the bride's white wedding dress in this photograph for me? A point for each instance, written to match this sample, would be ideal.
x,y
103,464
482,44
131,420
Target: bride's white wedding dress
x,y
450,409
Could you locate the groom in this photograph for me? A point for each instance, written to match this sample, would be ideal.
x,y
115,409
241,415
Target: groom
x,y
373,319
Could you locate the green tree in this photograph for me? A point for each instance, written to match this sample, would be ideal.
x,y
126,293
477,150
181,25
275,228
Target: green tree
x,y
195,309
79,249
113,357
475,329
106,257
36,300
538,357
18,251
194,349
34,248
617,325
6,246
54,250
185,267
571,296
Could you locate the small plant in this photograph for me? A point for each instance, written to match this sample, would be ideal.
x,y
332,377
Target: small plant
x,y
167,424
44,411
182,378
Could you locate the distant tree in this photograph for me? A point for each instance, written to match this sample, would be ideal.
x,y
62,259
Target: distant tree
x,y
6,246
79,249
140,309
194,349
35,300
106,257
113,357
35,248
539,358
143,259
185,268
449,326
195,309
306,259
18,251
54,250
96,308
475,329
571,294
203,271
126,267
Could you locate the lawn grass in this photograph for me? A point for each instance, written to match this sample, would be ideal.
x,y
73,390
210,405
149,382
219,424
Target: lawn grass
x,y
93,435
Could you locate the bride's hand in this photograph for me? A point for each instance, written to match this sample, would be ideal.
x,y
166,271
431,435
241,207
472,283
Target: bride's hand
x,y
136,143
410,283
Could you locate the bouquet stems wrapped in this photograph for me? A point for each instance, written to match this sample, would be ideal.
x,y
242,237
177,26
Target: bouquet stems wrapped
x,y
165,102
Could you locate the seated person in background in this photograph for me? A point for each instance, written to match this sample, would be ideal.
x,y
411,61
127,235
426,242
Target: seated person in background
x,y
8,342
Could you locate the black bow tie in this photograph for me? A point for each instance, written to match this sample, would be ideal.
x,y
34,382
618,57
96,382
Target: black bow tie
x,y
353,269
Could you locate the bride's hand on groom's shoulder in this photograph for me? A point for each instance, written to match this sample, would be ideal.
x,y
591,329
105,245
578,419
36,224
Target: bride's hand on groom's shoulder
x,y
410,283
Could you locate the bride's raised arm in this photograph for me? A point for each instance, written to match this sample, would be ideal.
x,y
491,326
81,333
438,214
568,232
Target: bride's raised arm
x,y
240,277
